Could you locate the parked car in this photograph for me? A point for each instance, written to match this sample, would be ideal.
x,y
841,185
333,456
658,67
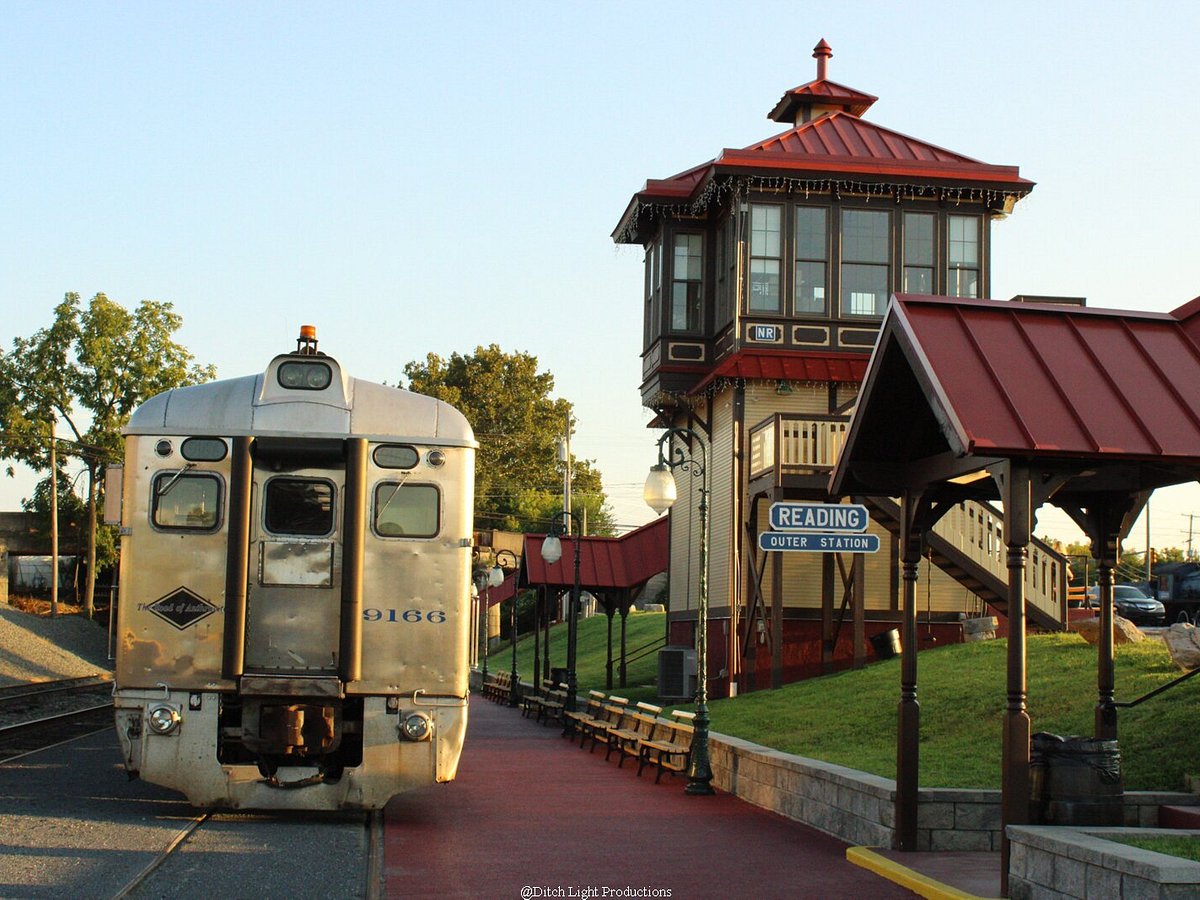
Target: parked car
x,y
1130,603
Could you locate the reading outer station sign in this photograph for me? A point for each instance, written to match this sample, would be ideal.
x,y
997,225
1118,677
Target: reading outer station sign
x,y
819,528
837,517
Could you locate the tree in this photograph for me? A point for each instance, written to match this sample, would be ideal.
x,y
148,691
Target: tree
x,y
507,401
88,370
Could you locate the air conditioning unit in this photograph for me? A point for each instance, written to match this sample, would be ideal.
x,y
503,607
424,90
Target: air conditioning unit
x,y
677,673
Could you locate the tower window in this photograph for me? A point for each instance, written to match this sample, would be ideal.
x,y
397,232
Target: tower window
x,y
865,262
918,253
686,282
962,272
765,259
812,256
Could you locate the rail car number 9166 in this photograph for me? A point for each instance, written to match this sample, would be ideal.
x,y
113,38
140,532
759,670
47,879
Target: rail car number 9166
x,y
434,616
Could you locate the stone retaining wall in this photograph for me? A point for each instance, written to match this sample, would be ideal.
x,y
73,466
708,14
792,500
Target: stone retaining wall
x,y
1057,862
860,808
852,805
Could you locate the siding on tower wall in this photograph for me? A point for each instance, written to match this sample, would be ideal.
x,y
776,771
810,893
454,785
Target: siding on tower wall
x,y
720,566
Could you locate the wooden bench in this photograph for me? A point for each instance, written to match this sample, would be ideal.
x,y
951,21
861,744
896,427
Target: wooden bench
x,y
670,750
627,739
612,715
497,686
531,703
552,705
574,722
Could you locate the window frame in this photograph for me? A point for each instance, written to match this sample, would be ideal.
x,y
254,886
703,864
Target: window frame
x,y
953,269
904,256
302,535
401,484
653,292
780,308
382,448
908,263
722,250
798,259
886,267
199,441
693,302
174,478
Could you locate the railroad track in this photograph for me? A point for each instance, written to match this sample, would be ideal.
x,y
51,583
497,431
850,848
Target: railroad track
x,y
17,693
35,700
41,714
162,876
31,735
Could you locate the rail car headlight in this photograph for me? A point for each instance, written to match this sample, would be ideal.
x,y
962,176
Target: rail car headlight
x,y
304,376
436,458
416,727
163,719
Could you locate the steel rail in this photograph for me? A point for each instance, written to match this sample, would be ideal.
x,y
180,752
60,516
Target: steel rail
x,y
373,885
11,734
41,688
141,877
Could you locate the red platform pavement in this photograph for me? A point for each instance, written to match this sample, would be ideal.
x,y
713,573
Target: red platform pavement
x,y
531,815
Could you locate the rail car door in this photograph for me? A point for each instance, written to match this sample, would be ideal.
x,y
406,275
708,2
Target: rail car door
x,y
294,591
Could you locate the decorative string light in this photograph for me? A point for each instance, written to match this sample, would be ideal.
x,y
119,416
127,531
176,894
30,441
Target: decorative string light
x,y
718,190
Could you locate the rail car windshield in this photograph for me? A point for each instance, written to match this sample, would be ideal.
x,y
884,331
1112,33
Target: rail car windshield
x,y
186,501
299,506
407,510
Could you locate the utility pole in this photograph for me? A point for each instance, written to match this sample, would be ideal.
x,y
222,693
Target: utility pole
x,y
1190,557
1149,553
53,526
564,456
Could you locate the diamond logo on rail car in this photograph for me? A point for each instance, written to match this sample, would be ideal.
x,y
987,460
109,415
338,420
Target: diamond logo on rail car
x,y
182,608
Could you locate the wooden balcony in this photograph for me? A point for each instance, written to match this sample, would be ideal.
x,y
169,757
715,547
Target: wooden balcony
x,y
796,451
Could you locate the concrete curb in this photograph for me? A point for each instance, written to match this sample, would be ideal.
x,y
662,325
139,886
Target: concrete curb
x,y
919,884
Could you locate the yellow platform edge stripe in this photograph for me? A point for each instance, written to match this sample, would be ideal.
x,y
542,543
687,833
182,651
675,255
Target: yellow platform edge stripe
x,y
904,876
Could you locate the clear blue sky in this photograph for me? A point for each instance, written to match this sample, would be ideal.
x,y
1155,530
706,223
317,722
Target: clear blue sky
x,y
417,180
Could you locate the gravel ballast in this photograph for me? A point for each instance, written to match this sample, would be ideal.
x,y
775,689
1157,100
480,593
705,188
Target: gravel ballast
x,y
40,648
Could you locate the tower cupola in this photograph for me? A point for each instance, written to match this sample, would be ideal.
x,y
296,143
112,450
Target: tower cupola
x,y
820,96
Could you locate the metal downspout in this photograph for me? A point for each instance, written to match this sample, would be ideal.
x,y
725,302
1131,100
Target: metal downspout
x,y
237,560
354,524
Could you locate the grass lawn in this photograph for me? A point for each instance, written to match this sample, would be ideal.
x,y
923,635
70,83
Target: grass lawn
x,y
1187,847
643,638
850,718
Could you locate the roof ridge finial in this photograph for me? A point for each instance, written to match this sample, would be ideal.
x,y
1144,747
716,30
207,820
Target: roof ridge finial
x,y
821,54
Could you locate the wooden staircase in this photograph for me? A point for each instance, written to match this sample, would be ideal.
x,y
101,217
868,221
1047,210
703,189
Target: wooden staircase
x,y
967,545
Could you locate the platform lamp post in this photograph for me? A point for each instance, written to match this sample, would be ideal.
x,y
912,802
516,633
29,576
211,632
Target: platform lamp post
x,y
552,553
482,590
495,579
660,495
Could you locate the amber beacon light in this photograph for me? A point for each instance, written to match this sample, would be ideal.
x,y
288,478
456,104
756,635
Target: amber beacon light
x,y
307,342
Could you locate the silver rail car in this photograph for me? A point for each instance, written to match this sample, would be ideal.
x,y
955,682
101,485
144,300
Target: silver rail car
x,y
293,620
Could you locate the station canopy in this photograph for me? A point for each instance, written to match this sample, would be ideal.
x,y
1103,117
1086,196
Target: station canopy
x,y
1103,399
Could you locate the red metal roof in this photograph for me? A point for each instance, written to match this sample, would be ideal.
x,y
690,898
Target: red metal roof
x,y
838,144
788,366
820,93
845,136
605,563
830,146
504,591
1042,379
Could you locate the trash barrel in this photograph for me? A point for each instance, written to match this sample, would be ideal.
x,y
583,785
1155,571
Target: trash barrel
x,y
1076,781
558,676
886,643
